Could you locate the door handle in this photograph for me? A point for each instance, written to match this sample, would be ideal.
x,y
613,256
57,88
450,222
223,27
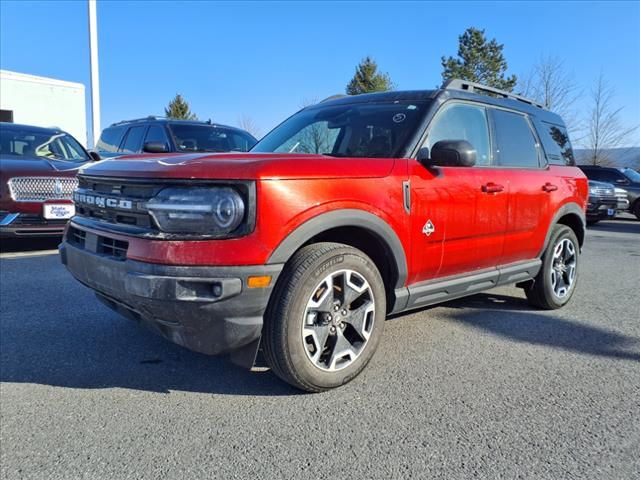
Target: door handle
x,y
492,188
549,187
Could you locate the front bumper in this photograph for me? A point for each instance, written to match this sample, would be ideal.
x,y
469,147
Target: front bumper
x,y
14,225
206,309
598,208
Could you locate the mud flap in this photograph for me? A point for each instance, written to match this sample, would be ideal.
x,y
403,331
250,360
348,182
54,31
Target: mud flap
x,y
246,356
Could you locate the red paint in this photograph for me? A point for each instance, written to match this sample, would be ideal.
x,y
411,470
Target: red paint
x,y
482,216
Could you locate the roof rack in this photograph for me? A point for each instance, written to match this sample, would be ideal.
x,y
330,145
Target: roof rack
x,y
150,117
473,87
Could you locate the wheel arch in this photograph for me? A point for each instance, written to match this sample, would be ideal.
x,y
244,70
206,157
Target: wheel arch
x,y
571,215
356,228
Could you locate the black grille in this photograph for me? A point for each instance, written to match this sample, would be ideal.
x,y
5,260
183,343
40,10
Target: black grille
x,y
112,247
136,193
77,237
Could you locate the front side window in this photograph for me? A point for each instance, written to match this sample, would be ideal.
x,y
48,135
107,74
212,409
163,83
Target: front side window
x,y
21,143
462,122
516,145
133,142
368,130
156,134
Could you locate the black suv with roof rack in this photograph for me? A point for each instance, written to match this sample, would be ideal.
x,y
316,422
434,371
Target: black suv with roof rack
x,y
165,135
625,178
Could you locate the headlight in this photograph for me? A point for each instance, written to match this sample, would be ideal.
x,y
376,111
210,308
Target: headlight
x,y
208,211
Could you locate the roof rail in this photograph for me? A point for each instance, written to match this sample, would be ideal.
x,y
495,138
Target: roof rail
x,y
333,97
473,87
133,120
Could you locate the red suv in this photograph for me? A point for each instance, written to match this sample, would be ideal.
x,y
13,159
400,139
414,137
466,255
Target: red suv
x,y
350,210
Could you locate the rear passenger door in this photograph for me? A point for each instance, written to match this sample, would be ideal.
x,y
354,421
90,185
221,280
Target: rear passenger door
x,y
518,156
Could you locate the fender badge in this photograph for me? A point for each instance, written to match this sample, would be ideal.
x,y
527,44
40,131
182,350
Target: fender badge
x,y
428,228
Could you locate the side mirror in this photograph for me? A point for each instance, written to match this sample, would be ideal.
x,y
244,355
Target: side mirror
x,y
155,147
448,153
622,181
94,156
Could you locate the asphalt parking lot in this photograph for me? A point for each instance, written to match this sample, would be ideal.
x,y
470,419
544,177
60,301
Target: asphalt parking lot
x,y
483,387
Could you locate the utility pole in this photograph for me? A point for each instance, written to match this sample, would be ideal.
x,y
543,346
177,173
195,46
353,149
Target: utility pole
x,y
95,80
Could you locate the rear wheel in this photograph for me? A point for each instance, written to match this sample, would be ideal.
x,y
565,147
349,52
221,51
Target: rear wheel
x,y
326,317
554,285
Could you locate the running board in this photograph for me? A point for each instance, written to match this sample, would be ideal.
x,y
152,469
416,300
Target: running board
x,y
442,290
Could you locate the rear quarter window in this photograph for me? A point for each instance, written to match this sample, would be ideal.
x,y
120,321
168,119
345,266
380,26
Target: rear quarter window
x,y
110,139
557,145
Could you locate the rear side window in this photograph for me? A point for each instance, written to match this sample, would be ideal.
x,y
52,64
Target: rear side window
x,y
133,142
515,143
463,122
110,139
557,145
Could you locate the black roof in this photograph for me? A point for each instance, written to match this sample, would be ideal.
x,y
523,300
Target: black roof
x,y
19,126
452,89
163,120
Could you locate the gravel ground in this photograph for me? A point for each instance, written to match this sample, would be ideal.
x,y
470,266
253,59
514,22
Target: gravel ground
x,y
482,387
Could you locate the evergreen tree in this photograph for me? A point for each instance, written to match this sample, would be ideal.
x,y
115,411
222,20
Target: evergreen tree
x,y
478,61
367,79
179,108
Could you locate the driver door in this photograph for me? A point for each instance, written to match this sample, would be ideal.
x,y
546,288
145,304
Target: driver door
x,y
460,213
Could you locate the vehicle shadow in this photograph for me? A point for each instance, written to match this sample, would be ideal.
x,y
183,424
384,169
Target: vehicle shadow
x,y
104,350
11,245
616,226
514,319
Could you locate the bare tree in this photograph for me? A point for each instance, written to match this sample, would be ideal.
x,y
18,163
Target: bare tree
x,y
247,123
550,84
605,130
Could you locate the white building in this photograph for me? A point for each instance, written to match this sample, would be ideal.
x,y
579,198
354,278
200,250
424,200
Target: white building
x,y
43,102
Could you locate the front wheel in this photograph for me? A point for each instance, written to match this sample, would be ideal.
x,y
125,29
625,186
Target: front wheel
x,y
325,318
555,284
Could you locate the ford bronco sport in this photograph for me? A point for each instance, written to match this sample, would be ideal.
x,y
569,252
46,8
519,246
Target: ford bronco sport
x,y
350,210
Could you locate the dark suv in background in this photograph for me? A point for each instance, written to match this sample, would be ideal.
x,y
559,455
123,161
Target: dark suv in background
x,y
163,135
625,178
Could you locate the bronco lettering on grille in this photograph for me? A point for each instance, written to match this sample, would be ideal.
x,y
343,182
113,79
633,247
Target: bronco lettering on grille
x,y
103,202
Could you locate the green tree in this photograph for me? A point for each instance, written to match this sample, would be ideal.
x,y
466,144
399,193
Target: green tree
x,y
478,61
179,108
367,79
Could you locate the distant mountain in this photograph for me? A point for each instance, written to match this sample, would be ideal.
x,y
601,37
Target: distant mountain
x,y
615,157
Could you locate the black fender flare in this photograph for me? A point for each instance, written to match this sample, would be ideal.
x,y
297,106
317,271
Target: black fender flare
x,y
345,218
566,209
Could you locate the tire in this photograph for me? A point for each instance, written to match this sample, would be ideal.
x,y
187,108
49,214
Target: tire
x,y
304,334
556,273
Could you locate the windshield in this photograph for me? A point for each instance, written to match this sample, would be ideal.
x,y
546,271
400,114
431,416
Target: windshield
x,y
631,174
353,130
21,143
207,138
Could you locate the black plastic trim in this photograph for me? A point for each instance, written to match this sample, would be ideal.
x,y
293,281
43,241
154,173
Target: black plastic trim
x,y
344,218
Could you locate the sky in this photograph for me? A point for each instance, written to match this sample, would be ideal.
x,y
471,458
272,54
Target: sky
x,y
265,59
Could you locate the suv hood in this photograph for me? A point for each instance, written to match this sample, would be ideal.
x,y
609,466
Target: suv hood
x,y
12,166
240,166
